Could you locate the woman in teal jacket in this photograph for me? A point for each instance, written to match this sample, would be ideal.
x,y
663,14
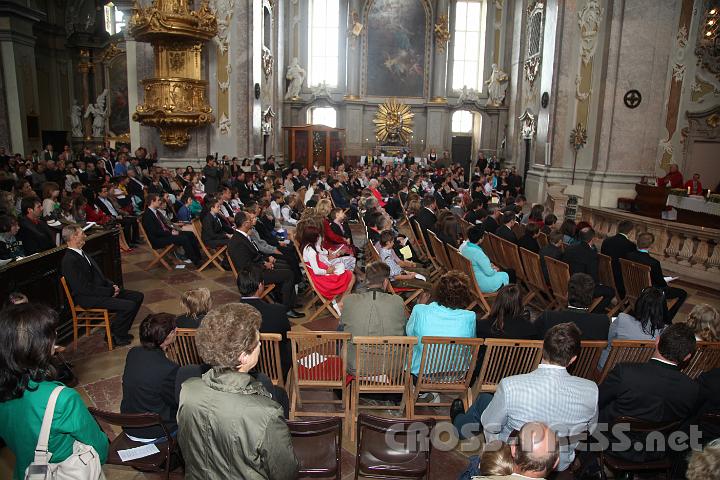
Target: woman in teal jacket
x,y
445,316
27,339
488,279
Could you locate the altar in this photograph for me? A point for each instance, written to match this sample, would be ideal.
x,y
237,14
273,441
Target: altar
x,y
695,210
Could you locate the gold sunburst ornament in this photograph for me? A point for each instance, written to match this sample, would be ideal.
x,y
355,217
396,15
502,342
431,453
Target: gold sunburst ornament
x,y
393,123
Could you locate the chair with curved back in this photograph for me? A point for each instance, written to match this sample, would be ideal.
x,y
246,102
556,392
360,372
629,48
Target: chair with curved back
x,y
317,443
183,350
504,358
268,288
585,366
318,298
87,317
627,351
459,262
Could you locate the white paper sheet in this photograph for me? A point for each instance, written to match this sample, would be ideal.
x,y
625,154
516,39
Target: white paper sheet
x,y
670,279
138,452
311,361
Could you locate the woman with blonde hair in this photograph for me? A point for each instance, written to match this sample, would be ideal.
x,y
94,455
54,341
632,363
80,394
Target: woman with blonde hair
x,y
196,302
705,320
496,459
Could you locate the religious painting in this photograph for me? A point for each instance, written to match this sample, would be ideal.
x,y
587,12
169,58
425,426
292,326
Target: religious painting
x,y
396,48
119,118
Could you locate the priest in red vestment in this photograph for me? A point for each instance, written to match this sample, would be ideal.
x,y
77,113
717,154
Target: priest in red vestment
x,y
694,187
674,178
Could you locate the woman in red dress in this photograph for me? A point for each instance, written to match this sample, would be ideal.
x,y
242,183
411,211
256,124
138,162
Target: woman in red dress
x,y
329,280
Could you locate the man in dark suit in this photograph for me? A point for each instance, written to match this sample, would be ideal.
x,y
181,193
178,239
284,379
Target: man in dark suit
x,y
504,231
656,391
593,326
34,233
214,232
274,315
244,253
160,235
475,213
128,222
617,247
583,258
491,222
91,289
426,217
641,255
553,250
529,240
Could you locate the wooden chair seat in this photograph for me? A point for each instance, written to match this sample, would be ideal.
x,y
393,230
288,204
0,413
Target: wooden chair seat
x,y
325,304
87,317
214,255
269,361
158,253
317,444
459,262
504,358
266,289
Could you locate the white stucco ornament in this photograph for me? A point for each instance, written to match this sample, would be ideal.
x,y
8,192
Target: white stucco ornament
x,y
589,20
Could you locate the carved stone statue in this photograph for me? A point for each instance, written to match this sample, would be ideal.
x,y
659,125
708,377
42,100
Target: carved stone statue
x,y
497,85
76,119
296,75
98,110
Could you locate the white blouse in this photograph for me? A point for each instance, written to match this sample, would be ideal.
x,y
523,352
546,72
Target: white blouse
x,y
310,256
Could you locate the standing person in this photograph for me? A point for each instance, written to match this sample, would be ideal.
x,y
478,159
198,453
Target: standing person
x,y
27,338
213,174
616,247
582,257
228,423
91,289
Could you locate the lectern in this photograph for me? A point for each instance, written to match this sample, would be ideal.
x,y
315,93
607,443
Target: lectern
x,y
313,144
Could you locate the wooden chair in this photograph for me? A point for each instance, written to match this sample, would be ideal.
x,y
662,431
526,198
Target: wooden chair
x,y
559,273
158,462
542,239
317,444
627,351
504,358
319,363
267,288
440,252
512,260
183,350
420,238
408,457
446,367
459,262
87,317
325,303
636,278
464,225
158,253
213,257
495,251
586,364
518,229
269,361
422,249
382,365
413,292
534,279
706,358
606,277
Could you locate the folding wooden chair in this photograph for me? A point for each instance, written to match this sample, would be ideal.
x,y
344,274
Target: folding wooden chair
x,y
534,279
420,238
504,358
446,367
606,277
542,239
87,317
269,361
319,363
512,260
459,262
325,303
559,273
586,364
495,249
706,358
159,253
465,226
183,350
212,257
382,365
636,278
627,351
267,288
421,248
440,252
518,229
413,292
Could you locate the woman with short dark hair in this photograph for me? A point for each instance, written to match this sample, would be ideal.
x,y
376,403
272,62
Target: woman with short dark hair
x,y
149,377
27,339
508,318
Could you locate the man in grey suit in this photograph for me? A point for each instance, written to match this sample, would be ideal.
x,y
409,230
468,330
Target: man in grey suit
x,y
374,312
567,404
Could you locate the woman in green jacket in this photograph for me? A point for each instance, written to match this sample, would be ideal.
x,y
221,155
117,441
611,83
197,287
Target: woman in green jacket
x,y
27,339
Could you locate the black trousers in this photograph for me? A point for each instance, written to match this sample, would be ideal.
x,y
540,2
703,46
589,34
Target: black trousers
x,y
671,293
125,306
290,258
130,229
217,243
285,280
607,295
186,240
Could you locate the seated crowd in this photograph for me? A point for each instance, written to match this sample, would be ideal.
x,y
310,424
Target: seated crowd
x,y
288,232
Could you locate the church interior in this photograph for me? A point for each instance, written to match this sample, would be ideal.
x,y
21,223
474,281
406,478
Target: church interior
x,y
275,239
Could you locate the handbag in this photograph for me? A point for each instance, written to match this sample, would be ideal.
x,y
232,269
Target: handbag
x,y
82,464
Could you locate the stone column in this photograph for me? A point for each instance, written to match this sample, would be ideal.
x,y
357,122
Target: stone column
x,y
439,87
84,68
353,54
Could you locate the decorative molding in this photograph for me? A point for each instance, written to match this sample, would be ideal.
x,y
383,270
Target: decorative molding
x,y
224,125
442,33
223,11
589,19
224,86
322,90
532,67
527,124
678,72
267,62
578,94
468,95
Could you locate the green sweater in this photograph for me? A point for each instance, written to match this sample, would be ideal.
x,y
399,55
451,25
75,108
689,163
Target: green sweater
x,y
21,418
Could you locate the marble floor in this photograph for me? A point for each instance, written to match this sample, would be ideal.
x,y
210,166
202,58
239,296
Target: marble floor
x,y
99,371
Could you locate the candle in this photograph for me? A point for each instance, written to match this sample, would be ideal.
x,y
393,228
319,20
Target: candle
x,y
708,195
688,190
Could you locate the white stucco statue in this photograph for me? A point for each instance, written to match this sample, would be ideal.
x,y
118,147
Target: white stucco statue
x,y
76,119
296,75
497,85
98,110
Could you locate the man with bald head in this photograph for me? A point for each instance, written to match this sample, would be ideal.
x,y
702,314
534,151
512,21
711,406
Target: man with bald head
x,y
535,454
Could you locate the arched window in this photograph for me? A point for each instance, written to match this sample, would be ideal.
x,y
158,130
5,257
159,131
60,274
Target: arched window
x,y
323,38
469,45
462,122
114,19
322,116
